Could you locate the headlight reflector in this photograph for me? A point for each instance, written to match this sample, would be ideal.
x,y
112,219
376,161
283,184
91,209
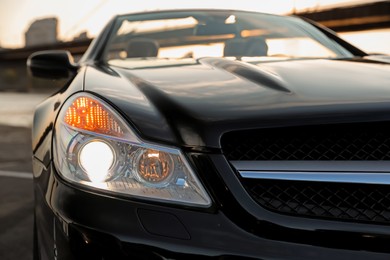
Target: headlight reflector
x,y
96,158
94,147
154,167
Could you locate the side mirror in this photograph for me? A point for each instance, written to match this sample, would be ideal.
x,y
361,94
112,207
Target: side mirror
x,y
51,64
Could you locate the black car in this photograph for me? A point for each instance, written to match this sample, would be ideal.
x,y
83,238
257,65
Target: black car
x,y
213,134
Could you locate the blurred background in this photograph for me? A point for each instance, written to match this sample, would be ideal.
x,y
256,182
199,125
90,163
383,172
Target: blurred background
x,y
27,26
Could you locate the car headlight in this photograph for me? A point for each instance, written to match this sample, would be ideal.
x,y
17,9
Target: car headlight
x,y
94,146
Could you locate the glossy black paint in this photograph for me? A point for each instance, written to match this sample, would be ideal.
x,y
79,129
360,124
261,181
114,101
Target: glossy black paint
x,y
91,226
191,106
45,116
51,64
273,94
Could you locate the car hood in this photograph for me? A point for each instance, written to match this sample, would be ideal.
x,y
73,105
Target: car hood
x,y
193,104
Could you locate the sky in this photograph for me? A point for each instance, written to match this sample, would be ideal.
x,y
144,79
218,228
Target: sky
x,y
76,16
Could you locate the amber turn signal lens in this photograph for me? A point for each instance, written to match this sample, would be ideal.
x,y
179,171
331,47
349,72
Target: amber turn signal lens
x,y
88,114
95,147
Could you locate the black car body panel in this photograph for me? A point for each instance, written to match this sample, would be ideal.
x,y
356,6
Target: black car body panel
x,y
79,221
191,106
201,111
45,117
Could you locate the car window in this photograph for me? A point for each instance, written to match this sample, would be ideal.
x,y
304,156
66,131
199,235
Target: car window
x,y
192,35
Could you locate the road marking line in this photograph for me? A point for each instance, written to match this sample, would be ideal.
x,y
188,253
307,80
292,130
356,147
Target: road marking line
x,y
21,175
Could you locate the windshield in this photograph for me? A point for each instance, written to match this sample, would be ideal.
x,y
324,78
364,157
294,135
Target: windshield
x,y
183,36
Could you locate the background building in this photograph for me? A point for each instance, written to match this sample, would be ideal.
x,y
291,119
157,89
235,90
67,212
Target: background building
x,y
42,32
81,37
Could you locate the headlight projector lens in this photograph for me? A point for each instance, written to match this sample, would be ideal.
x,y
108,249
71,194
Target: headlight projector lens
x,y
95,147
154,167
96,159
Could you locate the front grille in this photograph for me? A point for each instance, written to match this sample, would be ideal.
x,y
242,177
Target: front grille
x,y
326,200
328,142
349,202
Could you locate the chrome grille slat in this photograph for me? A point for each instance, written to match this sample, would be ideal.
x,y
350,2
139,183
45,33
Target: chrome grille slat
x,y
339,172
365,172
338,177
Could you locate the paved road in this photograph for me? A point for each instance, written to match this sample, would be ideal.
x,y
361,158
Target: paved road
x,y
15,148
16,218
16,194
16,191
16,109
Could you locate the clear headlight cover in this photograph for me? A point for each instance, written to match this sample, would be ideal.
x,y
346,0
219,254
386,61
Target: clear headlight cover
x,y
95,147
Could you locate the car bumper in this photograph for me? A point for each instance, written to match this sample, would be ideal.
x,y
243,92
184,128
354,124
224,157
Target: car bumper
x,y
73,223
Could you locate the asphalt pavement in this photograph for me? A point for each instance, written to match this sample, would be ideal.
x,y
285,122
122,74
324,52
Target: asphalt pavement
x,y
16,190
16,218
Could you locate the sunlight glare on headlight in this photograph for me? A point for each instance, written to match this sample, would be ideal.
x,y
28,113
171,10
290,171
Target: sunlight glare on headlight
x,y
96,148
96,158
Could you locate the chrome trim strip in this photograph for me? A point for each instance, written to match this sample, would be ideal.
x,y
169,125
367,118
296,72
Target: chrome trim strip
x,y
313,166
340,177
